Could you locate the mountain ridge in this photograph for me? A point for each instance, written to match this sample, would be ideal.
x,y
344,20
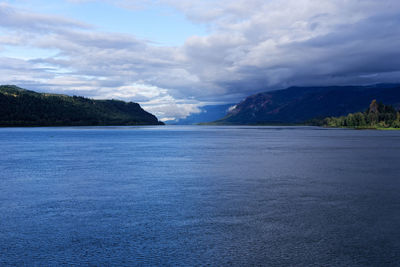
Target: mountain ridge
x,y
297,105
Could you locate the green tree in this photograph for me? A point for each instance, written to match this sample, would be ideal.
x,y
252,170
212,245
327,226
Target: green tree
x,y
377,115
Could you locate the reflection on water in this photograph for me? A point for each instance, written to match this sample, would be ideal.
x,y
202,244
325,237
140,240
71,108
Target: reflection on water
x,y
199,195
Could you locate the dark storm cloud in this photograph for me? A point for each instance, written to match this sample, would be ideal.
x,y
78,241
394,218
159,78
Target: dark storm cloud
x,y
345,51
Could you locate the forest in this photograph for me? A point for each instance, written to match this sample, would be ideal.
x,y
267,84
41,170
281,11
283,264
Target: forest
x,y
377,116
20,107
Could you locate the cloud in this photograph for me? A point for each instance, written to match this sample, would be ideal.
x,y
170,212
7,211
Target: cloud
x,y
299,43
253,46
25,21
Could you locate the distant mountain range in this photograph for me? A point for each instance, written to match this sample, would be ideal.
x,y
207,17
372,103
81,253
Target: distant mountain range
x,y
296,105
208,113
20,107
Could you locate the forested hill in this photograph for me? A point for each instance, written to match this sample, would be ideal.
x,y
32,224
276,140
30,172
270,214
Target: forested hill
x,y
20,107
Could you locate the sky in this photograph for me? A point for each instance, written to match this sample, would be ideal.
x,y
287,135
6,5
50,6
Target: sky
x,y
175,56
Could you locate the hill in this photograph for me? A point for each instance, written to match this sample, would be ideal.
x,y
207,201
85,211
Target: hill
x,y
20,107
297,105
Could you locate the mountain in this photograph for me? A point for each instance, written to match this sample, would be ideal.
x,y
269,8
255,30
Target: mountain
x,y
208,113
296,105
20,107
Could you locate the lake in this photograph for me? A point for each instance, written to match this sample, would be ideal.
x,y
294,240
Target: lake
x,y
199,195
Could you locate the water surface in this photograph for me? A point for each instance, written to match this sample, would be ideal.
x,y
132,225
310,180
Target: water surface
x,y
175,195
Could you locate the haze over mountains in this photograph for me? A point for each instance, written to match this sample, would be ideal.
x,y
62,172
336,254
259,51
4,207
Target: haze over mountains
x,y
208,113
20,107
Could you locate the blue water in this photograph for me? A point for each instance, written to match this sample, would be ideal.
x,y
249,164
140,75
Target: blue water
x,y
194,195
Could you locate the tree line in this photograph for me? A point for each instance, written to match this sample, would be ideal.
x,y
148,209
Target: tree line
x,y
376,116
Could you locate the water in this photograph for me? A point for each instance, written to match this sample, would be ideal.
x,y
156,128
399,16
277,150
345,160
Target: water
x,y
274,196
